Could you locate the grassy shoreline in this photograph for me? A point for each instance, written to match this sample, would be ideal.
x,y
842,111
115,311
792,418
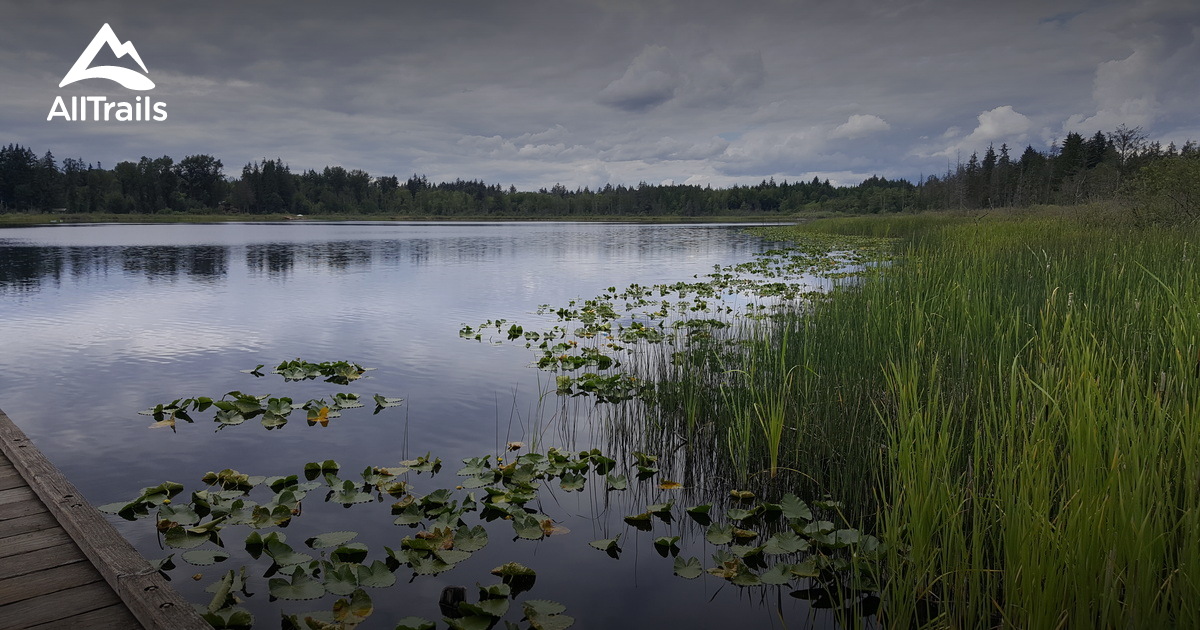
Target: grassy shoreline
x,y
1014,406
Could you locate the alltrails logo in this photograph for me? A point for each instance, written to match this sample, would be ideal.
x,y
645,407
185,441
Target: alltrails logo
x,y
99,107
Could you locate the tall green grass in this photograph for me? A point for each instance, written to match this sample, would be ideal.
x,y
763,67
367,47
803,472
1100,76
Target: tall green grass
x,y
1013,404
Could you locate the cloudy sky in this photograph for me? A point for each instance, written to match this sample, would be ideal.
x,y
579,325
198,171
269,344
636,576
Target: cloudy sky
x,y
586,92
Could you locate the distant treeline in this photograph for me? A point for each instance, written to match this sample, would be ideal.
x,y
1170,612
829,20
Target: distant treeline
x,y
1076,171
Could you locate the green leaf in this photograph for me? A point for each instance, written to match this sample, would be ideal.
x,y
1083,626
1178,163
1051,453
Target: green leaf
x,y
331,539
688,569
472,539
527,526
573,482
746,578
546,615
779,574
617,482
513,569
301,586
785,542
353,611
471,622
353,552
793,507
415,623
312,470
451,556
283,554
818,527
661,510
164,564
205,557
475,466
495,591
738,514
487,607
808,568
184,538
340,579
719,534
640,521
667,541
426,565
700,512
235,618
181,513
607,544
746,551
378,575
348,494
744,534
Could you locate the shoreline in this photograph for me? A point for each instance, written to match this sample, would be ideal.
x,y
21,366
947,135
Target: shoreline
x,y
42,219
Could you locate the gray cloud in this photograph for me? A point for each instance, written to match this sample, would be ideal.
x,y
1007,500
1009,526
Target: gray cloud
x,y
650,80
586,92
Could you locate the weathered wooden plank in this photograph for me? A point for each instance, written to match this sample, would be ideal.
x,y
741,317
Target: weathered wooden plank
x,y
32,541
10,478
52,607
10,482
40,559
26,524
15,495
144,591
15,589
24,508
115,617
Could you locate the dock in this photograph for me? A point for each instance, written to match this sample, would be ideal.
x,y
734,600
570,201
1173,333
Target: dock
x,y
62,565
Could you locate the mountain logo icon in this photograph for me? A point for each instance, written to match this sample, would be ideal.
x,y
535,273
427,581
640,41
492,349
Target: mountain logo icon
x,y
128,78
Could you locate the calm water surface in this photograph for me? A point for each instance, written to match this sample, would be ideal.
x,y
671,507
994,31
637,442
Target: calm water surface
x,y
98,322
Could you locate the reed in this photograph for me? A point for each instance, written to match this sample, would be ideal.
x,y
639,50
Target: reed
x,y
1013,404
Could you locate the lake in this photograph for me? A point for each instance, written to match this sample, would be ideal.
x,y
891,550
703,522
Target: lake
x,y
98,322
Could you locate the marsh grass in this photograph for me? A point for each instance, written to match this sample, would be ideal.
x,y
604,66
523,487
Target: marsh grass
x,y
1013,404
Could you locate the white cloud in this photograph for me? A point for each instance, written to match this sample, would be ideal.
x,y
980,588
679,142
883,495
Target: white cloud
x,y
859,125
1001,124
1124,93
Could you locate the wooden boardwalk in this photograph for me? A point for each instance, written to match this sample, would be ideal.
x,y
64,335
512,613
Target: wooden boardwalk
x,y
61,564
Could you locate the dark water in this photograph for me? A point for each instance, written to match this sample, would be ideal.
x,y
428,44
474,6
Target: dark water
x,y
99,322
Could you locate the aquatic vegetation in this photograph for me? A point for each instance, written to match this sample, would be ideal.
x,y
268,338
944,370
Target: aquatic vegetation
x,y
1010,403
236,407
786,544
601,333
337,372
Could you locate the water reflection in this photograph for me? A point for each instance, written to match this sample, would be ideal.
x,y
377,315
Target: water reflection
x,y
99,322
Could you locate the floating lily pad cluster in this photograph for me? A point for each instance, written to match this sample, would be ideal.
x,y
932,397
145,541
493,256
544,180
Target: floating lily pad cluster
x,y
236,407
670,312
337,372
760,543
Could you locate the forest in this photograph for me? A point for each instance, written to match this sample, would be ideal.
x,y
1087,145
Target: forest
x,y
1078,170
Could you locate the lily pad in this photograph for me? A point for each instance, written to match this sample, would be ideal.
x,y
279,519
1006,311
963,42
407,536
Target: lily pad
x,y
546,615
785,542
415,623
606,544
203,558
689,569
331,539
616,482
301,586
718,534
794,508
348,494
